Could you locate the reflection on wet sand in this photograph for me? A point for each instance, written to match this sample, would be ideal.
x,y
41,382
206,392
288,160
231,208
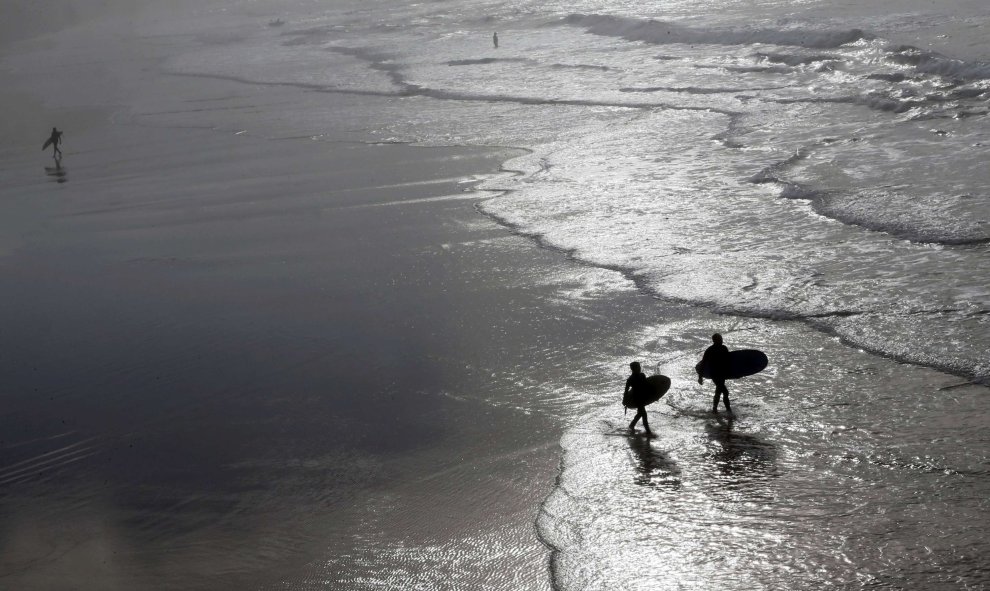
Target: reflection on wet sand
x,y
654,467
57,173
740,457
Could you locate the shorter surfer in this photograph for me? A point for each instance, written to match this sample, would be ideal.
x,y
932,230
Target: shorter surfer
x,y
495,39
637,390
716,360
54,140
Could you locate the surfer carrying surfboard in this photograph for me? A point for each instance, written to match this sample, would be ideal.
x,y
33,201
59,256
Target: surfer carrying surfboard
x,y
637,391
54,140
715,362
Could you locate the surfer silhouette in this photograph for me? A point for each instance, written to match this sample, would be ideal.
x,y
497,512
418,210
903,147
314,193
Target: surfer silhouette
x,y
639,389
495,39
716,360
54,140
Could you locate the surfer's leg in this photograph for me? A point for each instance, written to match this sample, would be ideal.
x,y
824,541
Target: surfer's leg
x,y
646,424
635,420
721,389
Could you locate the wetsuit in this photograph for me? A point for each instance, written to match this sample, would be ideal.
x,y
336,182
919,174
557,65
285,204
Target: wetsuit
x,y
640,390
716,359
56,139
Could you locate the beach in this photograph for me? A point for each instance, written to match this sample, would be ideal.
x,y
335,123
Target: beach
x,y
340,297
214,391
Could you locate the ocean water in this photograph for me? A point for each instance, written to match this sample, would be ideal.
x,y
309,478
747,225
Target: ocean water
x,y
809,178
798,157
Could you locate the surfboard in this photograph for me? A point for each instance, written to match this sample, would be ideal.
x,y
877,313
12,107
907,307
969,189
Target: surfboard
x,y
742,363
48,142
660,385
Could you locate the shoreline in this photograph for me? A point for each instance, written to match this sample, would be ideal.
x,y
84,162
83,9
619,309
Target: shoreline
x,y
810,322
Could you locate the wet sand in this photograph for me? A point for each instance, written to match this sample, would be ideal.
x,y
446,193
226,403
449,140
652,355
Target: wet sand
x,y
232,362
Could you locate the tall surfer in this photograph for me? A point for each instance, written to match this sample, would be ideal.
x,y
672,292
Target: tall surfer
x,y
716,361
637,391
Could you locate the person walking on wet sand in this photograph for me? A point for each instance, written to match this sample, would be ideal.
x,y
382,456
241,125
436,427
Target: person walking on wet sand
x,y
637,390
54,140
716,360
495,39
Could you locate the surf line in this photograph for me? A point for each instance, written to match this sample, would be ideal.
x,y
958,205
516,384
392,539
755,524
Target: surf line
x,y
814,321
960,385
408,89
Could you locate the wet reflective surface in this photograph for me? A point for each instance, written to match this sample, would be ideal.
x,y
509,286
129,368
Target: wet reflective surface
x,y
786,175
835,472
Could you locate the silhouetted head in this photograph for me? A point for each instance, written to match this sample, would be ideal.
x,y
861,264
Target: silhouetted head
x,y
634,366
717,339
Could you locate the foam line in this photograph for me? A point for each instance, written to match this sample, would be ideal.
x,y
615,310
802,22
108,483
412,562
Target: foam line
x,y
663,33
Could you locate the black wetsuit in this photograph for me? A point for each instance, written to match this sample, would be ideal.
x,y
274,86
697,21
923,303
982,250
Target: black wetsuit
x,y
56,139
640,390
716,359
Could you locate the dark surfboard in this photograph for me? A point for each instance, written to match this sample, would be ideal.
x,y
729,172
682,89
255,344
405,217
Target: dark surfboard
x,y
742,363
660,384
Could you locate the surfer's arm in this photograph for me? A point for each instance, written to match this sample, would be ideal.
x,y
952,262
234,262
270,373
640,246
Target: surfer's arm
x,y
701,364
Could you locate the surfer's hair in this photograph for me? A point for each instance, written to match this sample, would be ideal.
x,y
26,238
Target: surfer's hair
x,y
717,338
634,366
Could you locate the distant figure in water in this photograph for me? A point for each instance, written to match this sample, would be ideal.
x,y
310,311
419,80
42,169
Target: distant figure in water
x,y
640,389
495,39
716,359
54,140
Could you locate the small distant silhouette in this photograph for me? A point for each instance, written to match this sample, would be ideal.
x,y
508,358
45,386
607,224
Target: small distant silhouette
x,y
495,39
640,389
716,359
54,140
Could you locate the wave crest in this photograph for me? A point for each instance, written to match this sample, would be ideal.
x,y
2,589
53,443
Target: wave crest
x,y
929,62
659,33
